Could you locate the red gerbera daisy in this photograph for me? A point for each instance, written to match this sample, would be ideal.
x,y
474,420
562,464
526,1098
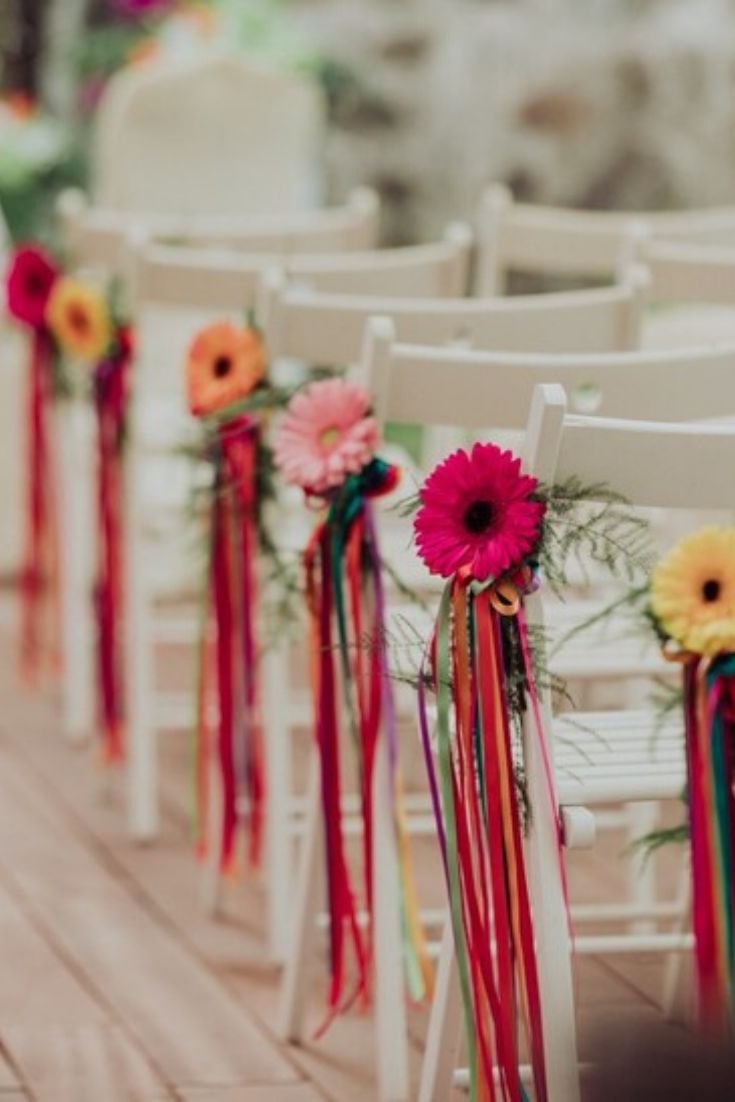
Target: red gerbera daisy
x,y
476,512
31,277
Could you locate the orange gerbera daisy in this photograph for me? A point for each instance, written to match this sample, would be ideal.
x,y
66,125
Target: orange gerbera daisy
x,y
225,364
79,319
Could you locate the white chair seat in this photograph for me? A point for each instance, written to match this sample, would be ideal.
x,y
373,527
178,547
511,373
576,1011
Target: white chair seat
x,y
601,757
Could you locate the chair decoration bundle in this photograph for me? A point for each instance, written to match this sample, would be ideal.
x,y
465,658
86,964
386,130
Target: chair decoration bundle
x,y
491,531
479,525
326,445
228,389
90,331
31,277
692,606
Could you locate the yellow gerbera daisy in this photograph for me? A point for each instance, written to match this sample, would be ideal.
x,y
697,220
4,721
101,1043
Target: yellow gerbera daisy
x,y
79,319
693,592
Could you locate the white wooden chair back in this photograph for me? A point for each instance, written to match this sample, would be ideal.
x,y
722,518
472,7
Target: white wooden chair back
x,y
688,273
653,464
218,133
587,244
175,291
329,328
473,389
209,279
98,236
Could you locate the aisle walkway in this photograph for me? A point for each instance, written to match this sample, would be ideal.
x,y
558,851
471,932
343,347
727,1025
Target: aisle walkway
x,y
114,986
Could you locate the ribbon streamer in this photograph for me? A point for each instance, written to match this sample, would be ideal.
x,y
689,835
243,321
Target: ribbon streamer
x,y
233,608
39,576
479,827
709,699
346,607
111,386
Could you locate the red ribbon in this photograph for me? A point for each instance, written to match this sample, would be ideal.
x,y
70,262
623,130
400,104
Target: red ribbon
x,y
497,926
233,585
111,388
39,574
343,919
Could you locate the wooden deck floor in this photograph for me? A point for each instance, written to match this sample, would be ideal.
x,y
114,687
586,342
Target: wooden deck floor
x,y
115,986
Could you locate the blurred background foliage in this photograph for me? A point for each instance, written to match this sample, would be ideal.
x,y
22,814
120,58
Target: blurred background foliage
x,y
56,57
627,104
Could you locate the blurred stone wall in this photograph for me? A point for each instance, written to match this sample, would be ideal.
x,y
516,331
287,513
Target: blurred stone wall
x,y
601,103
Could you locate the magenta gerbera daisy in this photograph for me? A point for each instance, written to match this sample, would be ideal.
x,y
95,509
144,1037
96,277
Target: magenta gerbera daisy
x,y
326,435
477,512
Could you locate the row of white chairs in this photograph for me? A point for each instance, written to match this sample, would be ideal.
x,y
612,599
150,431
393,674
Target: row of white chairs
x,y
315,313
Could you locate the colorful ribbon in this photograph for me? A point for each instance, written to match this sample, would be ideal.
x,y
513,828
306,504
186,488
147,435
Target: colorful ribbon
x,y
346,606
709,700
233,608
39,575
478,815
111,386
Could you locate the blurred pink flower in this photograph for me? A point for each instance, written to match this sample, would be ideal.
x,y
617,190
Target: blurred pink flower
x,y
326,435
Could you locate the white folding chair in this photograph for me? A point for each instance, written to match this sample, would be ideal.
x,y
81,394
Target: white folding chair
x,y
214,133
175,292
314,328
553,241
100,239
99,236
695,283
667,385
652,464
409,384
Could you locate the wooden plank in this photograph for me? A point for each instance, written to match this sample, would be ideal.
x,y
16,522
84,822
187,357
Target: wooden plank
x,y
291,1092
83,1063
164,880
62,1041
8,1078
192,1029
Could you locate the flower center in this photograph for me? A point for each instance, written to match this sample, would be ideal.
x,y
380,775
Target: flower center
x,y
711,590
478,516
78,320
329,437
222,367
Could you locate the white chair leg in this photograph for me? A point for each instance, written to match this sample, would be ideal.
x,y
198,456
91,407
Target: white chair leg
x,y
442,1039
551,929
676,995
390,1001
294,985
279,786
141,742
76,528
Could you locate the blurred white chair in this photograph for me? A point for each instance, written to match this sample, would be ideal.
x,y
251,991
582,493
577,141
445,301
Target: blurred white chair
x,y
553,241
695,286
216,134
96,236
100,240
315,328
307,324
175,293
652,465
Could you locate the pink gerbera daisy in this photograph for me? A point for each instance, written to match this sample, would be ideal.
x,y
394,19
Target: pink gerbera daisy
x,y
326,435
476,512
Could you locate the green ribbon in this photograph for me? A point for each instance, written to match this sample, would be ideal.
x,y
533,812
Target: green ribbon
x,y
444,748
